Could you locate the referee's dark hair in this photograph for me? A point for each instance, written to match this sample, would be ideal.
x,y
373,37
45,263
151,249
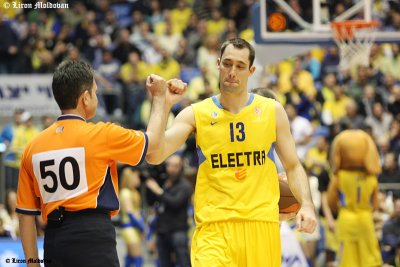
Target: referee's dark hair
x,y
71,79
265,92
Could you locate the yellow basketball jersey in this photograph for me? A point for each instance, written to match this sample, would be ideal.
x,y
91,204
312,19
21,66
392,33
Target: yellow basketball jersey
x,y
237,177
355,189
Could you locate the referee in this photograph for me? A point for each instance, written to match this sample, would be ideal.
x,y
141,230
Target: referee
x,y
68,173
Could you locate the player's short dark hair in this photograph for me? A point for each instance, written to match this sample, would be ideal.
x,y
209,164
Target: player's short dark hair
x,y
240,44
70,80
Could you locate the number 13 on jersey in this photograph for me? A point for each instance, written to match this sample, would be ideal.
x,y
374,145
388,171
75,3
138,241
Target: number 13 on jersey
x,y
60,174
237,131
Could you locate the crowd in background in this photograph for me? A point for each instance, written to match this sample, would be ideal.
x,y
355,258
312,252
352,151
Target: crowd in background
x,y
127,40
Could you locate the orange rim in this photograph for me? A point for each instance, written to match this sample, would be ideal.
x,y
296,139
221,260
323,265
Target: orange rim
x,y
344,30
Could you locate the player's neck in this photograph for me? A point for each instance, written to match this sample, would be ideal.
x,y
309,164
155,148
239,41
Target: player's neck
x,y
233,102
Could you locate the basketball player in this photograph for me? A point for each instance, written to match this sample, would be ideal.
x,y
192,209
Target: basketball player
x,y
355,166
237,191
68,173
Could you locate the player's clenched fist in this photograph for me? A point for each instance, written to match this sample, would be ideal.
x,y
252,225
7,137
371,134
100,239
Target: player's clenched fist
x,y
156,85
176,91
176,86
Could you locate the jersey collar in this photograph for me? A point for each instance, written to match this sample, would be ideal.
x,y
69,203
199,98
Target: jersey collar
x,y
70,117
218,104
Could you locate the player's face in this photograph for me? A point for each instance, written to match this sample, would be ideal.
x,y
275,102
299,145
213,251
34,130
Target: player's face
x,y
234,69
93,101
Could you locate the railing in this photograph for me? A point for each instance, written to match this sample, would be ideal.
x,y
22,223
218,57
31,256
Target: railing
x,y
2,178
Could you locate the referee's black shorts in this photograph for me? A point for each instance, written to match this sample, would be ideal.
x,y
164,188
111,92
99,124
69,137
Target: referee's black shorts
x,y
86,238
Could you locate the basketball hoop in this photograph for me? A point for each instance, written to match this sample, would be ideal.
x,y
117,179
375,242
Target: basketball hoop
x,y
354,39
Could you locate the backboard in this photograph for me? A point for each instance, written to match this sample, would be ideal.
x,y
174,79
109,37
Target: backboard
x,y
307,22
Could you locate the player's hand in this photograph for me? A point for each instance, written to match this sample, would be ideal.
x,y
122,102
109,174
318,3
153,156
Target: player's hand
x,y
306,220
156,85
286,216
176,91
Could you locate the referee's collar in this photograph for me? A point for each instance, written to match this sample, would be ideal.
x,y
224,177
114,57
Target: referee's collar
x,y
70,117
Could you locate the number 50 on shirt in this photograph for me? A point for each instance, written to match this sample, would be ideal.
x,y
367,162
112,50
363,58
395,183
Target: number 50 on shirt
x,y
60,174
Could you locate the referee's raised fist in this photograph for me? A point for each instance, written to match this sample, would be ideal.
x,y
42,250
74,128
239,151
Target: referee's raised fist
x,y
156,85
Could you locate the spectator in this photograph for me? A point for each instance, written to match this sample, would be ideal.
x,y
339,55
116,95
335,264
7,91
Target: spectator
x,y
297,97
47,120
168,67
391,237
301,130
185,54
352,119
334,110
123,47
379,120
23,135
109,86
208,53
394,136
169,39
180,16
331,61
3,231
394,101
8,216
391,172
317,156
109,26
217,24
369,97
356,86
9,129
8,46
143,37
172,205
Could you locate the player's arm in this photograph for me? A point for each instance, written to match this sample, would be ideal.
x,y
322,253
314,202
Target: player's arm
x,y
297,178
27,230
164,96
175,136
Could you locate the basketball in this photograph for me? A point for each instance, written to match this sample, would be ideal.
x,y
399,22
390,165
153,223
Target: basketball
x,y
287,201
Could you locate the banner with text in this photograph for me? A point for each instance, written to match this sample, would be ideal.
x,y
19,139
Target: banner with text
x,y
30,92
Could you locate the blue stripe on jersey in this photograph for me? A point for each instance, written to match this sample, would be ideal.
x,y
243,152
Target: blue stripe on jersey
x,y
342,199
146,142
107,198
251,98
271,152
27,212
200,155
216,102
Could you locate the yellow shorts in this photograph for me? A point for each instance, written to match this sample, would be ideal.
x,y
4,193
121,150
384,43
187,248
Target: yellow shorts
x,y
359,245
236,244
362,253
130,235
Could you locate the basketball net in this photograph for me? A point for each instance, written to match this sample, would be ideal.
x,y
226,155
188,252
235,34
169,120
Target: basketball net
x,y
354,39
